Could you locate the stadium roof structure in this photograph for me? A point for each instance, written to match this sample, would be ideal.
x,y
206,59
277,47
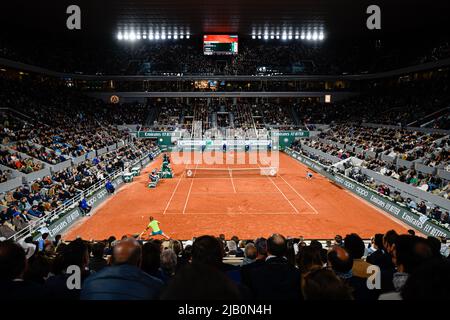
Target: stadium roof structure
x,y
104,18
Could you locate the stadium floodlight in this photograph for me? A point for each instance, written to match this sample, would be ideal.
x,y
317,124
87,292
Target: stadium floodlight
x,y
119,36
302,36
169,36
157,36
163,36
138,36
144,36
259,36
188,36
132,36
151,36
284,36
125,36
296,37
181,36
272,37
315,36
175,36
321,36
253,36
290,37
308,36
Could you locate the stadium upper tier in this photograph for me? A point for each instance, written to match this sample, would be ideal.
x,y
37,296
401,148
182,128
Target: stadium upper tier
x,y
253,58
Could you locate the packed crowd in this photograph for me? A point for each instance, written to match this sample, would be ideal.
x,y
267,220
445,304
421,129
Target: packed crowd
x,y
254,57
43,196
277,268
426,182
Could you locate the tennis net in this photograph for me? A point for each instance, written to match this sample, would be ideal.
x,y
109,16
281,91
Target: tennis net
x,y
231,172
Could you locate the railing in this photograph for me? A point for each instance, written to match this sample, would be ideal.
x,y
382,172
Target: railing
x,y
71,203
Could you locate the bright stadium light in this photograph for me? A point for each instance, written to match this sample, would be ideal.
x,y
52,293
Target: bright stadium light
x,y
315,36
188,36
144,36
181,36
119,36
290,37
284,36
157,36
169,36
272,37
138,36
163,36
151,36
125,36
308,36
253,36
259,36
132,36
175,36
321,36
302,36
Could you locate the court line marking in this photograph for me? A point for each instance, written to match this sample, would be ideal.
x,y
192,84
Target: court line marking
x,y
282,193
307,202
293,189
189,193
292,205
232,181
240,213
173,193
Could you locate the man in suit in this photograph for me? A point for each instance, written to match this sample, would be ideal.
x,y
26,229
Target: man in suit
x,y
276,279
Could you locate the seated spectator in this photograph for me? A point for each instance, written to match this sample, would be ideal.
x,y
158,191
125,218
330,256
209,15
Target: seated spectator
x,y
200,281
340,261
124,280
13,265
97,262
355,247
74,254
275,279
323,285
410,252
250,254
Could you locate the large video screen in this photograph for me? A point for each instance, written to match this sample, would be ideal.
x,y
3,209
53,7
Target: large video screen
x,y
220,44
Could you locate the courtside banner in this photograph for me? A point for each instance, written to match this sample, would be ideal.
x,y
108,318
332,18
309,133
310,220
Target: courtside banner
x,y
157,134
290,134
419,222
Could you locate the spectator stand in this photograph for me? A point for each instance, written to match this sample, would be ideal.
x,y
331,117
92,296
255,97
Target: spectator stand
x,y
64,216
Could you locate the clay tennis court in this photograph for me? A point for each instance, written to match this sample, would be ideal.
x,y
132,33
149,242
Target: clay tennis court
x,y
236,202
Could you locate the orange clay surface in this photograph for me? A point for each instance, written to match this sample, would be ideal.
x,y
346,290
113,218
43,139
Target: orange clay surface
x,y
244,204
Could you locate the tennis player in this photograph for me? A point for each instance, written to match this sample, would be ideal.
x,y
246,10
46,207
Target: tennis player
x,y
309,175
156,231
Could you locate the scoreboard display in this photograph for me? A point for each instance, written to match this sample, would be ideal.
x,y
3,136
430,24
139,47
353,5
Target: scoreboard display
x,y
220,44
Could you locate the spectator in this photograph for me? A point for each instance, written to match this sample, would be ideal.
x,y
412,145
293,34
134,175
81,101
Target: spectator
x,y
409,253
250,254
13,265
276,279
323,285
355,247
201,282
97,262
340,261
123,280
